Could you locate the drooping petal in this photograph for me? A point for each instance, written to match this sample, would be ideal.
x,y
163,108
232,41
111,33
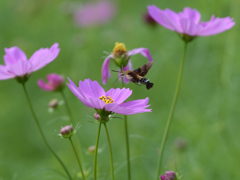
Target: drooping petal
x,y
44,85
114,107
144,51
216,25
42,57
191,14
119,95
129,66
91,89
75,90
13,55
105,69
4,74
55,80
20,68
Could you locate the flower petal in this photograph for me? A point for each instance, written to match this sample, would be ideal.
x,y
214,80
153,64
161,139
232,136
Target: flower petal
x,y
44,85
20,68
42,57
191,14
129,66
93,103
4,74
75,90
105,69
91,89
144,51
119,95
114,107
13,55
189,27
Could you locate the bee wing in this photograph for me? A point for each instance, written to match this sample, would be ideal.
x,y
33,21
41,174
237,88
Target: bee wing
x,y
142,71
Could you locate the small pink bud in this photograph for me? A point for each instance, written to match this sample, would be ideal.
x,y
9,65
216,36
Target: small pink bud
x,y
91,149
162,177
149,20
55,83
169,175
53,103
66,131
96,116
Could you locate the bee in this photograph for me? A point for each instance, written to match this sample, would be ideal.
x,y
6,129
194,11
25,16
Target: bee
x,y
137,76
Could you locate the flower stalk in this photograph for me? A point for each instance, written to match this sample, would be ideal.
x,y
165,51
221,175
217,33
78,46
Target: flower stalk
x,y
171,111
79,163
42,135
110,151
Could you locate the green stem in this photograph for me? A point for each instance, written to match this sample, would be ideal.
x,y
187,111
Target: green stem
x,y
41,132
127,139
96,150
171,111
73,123
67,107
79,164
110,151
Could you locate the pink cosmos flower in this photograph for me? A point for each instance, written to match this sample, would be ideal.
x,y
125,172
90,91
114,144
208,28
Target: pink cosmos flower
x,y
95,13
188,21
93,95
55,82
120,52
17,64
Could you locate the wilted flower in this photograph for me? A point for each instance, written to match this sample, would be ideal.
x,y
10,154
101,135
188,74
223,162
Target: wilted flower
x,y
187,23
121,58
19,67
66,131
169,175
55,82
106,103
95,13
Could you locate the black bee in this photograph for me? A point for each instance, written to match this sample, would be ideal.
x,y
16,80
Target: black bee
x,y
137,76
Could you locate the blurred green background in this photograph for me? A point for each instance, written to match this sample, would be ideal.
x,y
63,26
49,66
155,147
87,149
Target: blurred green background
x,y
207,114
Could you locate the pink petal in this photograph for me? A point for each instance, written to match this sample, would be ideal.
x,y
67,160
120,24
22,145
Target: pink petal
x,y
93,103
13,55
144,51
4,74
191,14
141,103
119,95
44,86
75,90
105,69
114,107
129,66
20,68
189,27
42,57
91,89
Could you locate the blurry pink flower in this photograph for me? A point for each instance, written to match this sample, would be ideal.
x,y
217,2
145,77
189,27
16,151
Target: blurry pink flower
x,y
122,56
95,13
169,175
55,82
188,21
93,95
17,64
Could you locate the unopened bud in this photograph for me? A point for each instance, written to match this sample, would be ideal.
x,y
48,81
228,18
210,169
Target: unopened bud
x,y
53,103
169,175
96,116
66,131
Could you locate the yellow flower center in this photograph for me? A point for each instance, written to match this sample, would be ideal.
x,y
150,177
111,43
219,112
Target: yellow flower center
x,y
107,99
119,49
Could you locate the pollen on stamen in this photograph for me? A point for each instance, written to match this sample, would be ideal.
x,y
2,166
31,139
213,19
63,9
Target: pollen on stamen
x,y
107,99
119,49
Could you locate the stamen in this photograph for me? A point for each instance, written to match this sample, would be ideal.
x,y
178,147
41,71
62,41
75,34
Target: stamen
x,y
119,49
107,99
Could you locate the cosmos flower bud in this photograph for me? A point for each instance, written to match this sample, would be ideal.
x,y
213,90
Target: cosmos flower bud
x,y
96,116
55,83
66,131
91,149
169,175
53,103
148,19
120,55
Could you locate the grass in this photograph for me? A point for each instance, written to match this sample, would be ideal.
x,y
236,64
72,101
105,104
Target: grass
x,y
207,112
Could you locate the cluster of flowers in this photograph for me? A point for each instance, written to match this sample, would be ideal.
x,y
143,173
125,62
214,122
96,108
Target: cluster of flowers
x,y
106,103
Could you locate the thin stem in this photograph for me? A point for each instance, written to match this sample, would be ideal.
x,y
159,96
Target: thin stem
x,y
73,122
96,150
110,151
79,164
127,139
42,135
171,111
67,107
